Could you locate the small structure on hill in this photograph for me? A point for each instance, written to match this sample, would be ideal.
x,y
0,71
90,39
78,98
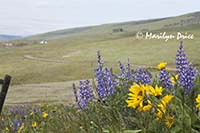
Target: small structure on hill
x,y
8,44
118,30
43,42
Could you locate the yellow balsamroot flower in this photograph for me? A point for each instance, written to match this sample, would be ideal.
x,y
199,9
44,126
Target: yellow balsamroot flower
x,y
162,106
34,124
161,65
44,115
136,96
143,107
169,120
20,129
157,91
147,88
6,129
198,102
159,115
161,110
166,99
174,79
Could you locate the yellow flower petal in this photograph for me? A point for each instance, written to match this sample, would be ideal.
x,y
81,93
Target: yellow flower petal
x,y
44,114
158,91
159,115
198,102
174,79
34,125
169,120
166,99
161,65
6,129
136,95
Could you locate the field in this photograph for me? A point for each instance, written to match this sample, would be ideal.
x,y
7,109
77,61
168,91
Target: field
x,y
70,55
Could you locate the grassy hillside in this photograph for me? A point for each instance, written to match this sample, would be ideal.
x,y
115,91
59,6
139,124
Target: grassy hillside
x,y
71,54
106,30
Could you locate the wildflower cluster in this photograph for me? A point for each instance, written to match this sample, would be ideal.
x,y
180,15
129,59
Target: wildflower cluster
x,y
24,118
140,96
156,107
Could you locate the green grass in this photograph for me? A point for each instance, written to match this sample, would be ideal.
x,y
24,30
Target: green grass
x,y
57,92
80,57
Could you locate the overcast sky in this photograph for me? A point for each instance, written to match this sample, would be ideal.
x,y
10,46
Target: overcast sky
x,y
25,17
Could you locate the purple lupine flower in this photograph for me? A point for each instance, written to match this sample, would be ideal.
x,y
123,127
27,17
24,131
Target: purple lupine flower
x,y
105,79
16,124
114,78
100,77
122,73
101,86
181,59
20,110
125,72
3,122
187,77
13,111
105,82
36,109
186,72
110,85
28,108
142,76
129,74
85,93
164,79
99,60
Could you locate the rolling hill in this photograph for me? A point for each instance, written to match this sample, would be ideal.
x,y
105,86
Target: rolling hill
x,y
71,54
129,28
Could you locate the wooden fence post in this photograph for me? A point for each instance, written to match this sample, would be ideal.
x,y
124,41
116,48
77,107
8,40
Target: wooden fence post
x,y
5,85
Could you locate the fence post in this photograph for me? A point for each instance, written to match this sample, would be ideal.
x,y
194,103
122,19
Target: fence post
x,y
5,85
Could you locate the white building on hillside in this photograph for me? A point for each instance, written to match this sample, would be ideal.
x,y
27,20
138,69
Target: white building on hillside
x,y
43,42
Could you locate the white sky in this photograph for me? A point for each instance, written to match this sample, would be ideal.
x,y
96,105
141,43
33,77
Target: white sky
x,y
25,17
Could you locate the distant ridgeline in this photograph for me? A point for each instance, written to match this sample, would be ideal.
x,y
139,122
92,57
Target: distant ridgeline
x,y
8,37
192,19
